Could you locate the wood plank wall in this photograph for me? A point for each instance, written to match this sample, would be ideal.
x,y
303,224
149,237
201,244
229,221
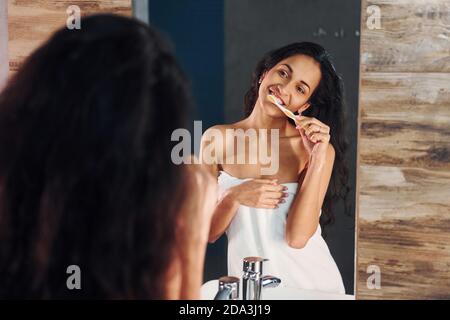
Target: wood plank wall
x,y
31,22
404,151
3,43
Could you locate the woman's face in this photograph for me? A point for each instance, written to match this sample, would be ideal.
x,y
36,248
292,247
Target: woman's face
x,y
293,80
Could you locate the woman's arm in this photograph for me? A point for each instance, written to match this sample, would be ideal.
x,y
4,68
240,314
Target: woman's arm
x,y
192,233
255,193
304,214
223,214
258,193
226,206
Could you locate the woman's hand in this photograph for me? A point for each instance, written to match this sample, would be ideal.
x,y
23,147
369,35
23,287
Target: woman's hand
x,y
315,136
259,193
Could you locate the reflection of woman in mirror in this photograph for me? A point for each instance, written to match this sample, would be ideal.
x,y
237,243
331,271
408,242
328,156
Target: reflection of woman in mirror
x,y
278,217
86,176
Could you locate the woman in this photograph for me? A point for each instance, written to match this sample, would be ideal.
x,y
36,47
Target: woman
x,y
86,177
277,216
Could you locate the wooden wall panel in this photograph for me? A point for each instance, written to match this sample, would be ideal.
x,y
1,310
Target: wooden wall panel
x,y
405,119
404,151
3,43
412,255
413,38
31,22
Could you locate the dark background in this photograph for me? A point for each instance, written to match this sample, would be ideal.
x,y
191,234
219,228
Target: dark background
x,y
219,42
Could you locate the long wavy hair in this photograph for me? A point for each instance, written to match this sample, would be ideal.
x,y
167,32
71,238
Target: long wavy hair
x,y
327,105
86,176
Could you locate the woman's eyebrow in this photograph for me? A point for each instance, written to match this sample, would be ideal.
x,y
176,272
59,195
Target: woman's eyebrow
x,y
292,71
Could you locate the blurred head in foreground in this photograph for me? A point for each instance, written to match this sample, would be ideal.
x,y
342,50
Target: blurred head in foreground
x,y
86,177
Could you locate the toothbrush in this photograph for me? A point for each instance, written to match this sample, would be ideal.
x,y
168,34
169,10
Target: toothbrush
x,y
286,111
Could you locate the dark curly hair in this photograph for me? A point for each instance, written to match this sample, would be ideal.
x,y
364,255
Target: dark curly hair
x,y
327,105
86,176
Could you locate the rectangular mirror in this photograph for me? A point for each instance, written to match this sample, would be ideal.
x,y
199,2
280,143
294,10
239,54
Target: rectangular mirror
x,y
219,44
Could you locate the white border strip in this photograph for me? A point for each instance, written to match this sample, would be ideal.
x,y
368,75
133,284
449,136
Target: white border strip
x,y
140,10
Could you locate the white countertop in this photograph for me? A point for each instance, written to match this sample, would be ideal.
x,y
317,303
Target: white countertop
x,y
209,290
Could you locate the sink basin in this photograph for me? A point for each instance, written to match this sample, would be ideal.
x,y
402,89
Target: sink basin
x,y
209,290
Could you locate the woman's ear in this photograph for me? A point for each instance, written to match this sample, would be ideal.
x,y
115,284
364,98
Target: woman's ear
x,y
262,77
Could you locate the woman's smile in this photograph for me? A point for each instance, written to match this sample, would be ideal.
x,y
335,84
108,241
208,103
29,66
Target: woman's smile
x,y
277,96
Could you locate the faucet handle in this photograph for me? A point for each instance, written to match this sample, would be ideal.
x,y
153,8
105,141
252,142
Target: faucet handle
x,y
254,264
228,288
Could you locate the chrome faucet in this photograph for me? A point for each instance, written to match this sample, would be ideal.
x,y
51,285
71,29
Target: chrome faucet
x,y
253,281
228,289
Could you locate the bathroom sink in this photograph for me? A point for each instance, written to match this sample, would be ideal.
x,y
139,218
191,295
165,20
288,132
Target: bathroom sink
x,y
209,290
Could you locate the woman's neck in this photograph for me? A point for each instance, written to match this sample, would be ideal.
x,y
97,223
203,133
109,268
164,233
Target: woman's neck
x,y
260,120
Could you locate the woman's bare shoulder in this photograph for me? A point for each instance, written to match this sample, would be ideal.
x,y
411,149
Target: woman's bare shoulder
x,y
198,176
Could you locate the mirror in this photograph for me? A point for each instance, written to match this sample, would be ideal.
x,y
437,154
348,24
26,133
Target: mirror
x,y
219,44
